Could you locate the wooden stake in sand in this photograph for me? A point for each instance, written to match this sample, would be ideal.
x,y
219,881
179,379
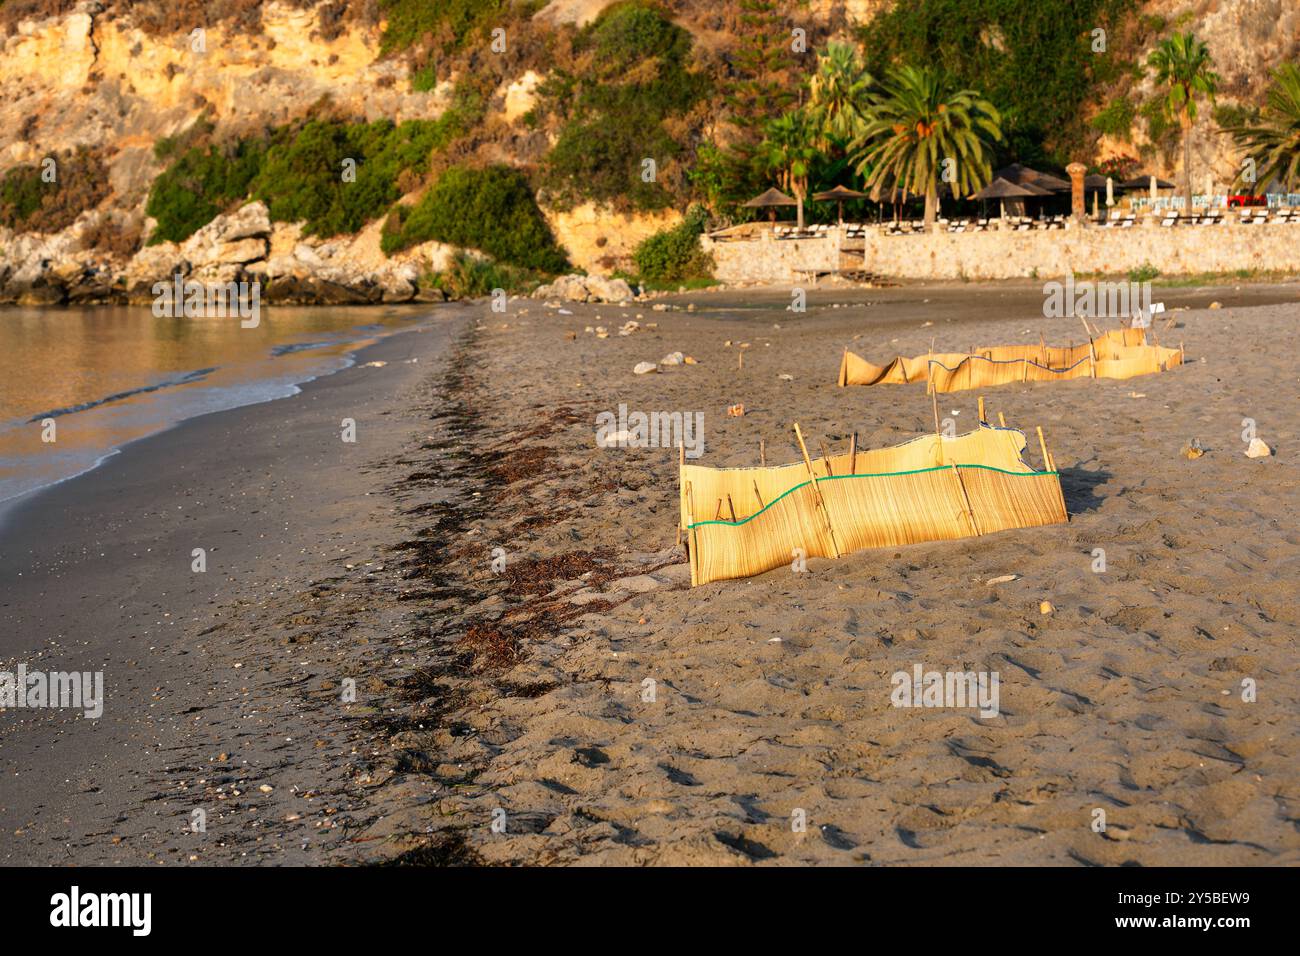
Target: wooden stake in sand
x,y
691,549
681,465
826,457
757,495
982,418
938,435
732,508
762,453
853,454
1092,358
1042,444
817,492
740,360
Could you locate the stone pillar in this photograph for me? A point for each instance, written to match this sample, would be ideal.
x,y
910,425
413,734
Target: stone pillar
x,y
1077,207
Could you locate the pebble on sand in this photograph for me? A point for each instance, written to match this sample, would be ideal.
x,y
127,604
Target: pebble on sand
x,y
1001,579
1046,607
645,368
1258,449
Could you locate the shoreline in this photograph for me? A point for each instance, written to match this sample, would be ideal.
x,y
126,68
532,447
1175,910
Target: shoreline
x,y
98,577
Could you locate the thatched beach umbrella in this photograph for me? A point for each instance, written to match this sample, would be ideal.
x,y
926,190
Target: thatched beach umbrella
x,y
770,200
1020,175
838,195
1144,181
1003,189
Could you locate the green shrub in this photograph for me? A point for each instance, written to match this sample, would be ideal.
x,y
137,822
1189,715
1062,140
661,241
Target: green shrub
x,y
675,254
28,202
1143,273
199,185
298,171
633,78
468,276
626,34
302,177
492,210
449,22
21,194
1116,119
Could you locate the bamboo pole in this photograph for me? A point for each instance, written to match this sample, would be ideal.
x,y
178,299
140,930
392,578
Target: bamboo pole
x,y
1092,358
982,418
826,457
732,508
1042,444
759,496
762,453
1002,420
681,487
853,454
740,360
844,367
817,492
970,512
692,549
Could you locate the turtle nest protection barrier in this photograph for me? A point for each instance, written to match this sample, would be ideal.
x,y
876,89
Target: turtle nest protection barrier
x,y
1119,353
743,521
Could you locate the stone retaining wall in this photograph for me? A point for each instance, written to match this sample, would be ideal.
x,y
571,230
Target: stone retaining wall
x,y
1180,250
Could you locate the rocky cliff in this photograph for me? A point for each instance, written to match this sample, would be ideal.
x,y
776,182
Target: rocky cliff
x,y
116,78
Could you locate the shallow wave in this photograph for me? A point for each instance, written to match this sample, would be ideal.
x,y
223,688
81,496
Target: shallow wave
x,y
188,378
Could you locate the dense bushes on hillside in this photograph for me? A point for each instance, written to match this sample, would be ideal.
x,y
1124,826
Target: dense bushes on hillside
x,y
491,209
673,255
620,106
338,176
468,276
1035,61
77,181
301,172
199,184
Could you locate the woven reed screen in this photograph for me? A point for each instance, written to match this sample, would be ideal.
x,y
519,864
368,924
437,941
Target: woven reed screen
x,y
1119,353
744,521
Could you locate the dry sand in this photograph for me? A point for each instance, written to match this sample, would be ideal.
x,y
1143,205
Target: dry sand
x,y
518,696
772,695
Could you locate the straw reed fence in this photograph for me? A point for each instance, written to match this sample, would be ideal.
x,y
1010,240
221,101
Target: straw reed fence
x,y
1119,353
744,521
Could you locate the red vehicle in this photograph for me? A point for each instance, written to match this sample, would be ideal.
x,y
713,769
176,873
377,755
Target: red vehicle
x,y
1239,201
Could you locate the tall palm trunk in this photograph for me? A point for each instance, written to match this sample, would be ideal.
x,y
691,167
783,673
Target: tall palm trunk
x,y
931,206
799,196
1186,121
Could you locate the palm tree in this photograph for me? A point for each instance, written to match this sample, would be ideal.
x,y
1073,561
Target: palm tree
x,y
788,151
1274,141
1183,63
839,93
919,124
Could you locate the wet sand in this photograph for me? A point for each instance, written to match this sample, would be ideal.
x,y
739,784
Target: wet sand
x,y
212,679
520,695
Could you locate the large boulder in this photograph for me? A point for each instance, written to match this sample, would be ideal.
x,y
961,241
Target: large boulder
x,y
593,288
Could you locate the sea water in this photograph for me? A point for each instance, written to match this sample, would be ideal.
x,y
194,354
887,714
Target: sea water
x,y
77,384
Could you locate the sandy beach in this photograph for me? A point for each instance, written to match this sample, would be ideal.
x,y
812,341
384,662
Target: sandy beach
x,y
569,698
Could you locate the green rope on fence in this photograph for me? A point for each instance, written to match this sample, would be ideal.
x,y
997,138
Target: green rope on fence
x,y
884,474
